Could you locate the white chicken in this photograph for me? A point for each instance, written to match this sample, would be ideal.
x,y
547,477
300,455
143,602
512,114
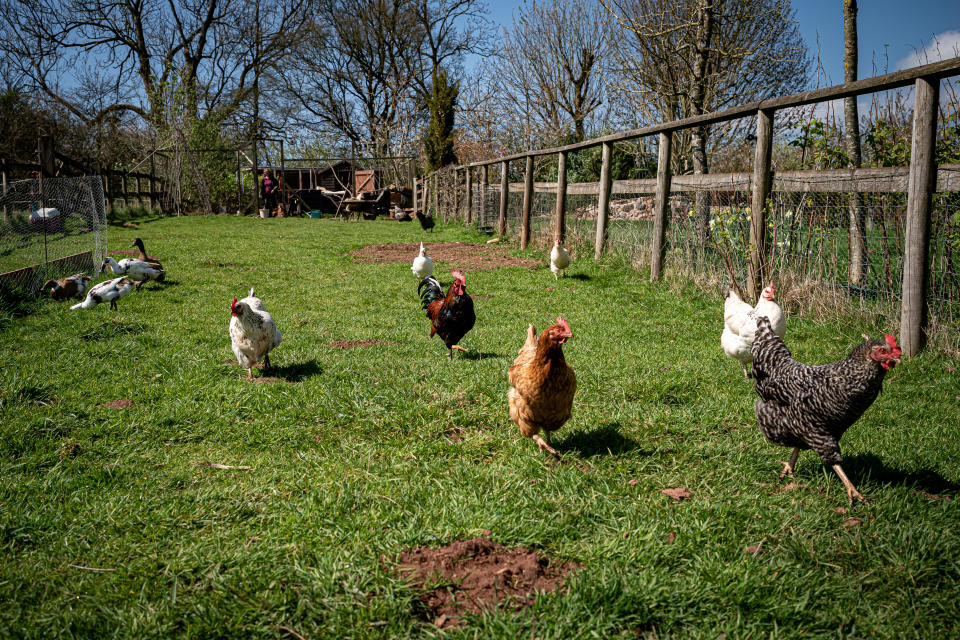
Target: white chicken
x,y
135,269
559,259
253,333
422,266
740,324
107,291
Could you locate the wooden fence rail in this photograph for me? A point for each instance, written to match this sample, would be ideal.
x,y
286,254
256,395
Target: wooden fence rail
x,y
919,181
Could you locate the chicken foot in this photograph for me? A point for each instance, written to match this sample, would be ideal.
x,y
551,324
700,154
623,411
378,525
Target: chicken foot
x,y
544,444
788,466
852,493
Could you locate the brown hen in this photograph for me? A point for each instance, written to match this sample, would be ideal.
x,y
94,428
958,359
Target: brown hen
x,y
542,385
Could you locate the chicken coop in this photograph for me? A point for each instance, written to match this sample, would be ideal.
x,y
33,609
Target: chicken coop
x,y
49,228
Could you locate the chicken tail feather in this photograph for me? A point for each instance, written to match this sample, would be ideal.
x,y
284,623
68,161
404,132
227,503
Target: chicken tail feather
x,y
429,290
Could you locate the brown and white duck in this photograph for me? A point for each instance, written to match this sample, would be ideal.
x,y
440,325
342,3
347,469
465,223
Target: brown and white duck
x,y
69,287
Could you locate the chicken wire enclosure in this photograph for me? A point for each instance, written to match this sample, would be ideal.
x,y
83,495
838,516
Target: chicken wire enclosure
x,y
51,227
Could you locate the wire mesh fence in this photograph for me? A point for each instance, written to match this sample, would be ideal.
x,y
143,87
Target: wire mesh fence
x,y
51,227
808,235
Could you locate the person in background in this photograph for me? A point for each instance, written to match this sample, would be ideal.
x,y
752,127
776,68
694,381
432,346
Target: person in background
x,y
269,189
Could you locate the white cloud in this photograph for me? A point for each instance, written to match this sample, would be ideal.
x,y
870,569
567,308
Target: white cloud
x,y
942,46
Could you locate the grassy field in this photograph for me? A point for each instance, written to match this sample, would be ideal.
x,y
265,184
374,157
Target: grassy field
x,y
349,459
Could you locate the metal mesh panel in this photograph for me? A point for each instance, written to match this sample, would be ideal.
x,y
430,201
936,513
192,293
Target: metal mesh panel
x,y
51,228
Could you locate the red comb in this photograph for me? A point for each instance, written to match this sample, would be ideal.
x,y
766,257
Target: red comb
x,y
457,275
563,323
233,304
892,342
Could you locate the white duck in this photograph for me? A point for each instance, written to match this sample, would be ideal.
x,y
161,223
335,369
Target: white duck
x,y
253,334
559,259
107,291
135,269
740,324
422,266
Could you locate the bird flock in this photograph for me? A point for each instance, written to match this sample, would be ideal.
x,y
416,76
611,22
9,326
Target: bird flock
x,y
798,405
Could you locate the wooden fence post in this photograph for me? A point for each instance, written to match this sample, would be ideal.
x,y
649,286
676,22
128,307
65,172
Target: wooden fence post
x,y
46,156
921,185
468,204
527,203
413,181
758,203
504,198
603,203
484,183
661,211
153,172
560,228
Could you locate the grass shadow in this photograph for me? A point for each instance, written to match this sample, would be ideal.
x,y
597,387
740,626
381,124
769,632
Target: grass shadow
x,y
579,276
602,441
296,371
868,466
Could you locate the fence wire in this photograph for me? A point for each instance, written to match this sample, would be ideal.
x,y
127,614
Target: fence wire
x,y
51,228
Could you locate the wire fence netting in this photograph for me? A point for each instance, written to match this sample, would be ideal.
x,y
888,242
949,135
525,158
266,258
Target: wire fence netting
x,y
50,228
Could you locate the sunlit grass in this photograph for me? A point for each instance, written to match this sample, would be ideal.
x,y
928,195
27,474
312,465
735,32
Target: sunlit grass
x,y
350,458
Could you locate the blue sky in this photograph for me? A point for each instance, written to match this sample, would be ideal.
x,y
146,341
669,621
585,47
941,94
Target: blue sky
x,y
888,30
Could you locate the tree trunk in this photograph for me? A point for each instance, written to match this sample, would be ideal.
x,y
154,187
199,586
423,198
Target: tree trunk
x,y
858,218
699,135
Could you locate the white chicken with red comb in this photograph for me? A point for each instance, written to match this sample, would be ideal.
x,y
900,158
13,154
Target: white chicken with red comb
x,y
253,333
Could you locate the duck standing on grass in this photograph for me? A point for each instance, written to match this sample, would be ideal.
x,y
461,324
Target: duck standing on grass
x,y
135,269
107,291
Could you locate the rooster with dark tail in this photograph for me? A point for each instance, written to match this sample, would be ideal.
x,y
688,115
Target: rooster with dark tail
x,y
451,315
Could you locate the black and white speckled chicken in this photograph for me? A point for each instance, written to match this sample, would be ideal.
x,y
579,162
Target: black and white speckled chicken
x,y
810,407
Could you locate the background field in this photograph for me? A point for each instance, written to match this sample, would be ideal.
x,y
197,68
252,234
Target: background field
x,y
365,452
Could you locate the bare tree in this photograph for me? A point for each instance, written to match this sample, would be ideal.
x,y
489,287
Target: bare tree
x,y
683,58
97,57
858,219
549,68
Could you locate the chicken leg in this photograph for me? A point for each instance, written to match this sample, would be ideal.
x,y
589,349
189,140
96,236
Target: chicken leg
x,y
852,493
544,444
788,466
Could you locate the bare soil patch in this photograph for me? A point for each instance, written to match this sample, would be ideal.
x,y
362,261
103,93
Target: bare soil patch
x,y
467,256
122,403
352,344
469,576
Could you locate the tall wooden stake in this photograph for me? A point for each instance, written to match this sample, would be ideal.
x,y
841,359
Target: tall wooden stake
x,y
603,203
661,211
921,185
560,228
758,203
468,204
504,198
527,203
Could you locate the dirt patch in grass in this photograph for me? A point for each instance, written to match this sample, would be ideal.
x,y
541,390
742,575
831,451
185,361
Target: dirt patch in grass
x,y
466,256
352,344
469,576
122,403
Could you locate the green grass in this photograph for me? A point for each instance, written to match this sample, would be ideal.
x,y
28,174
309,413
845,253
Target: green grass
x,y
349,461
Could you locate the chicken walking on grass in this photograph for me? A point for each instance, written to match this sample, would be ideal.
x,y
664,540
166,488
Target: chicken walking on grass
x,y
740,324
422,266
253,333
559,259
810,407
451,315
542,385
